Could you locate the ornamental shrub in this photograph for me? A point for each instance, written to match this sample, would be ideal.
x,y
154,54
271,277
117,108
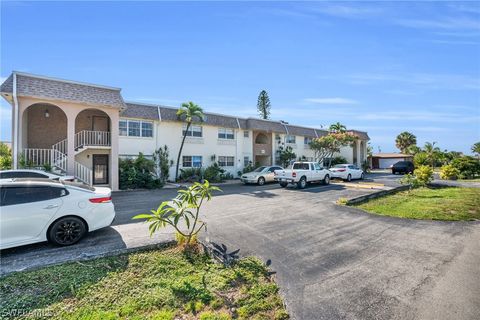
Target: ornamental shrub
x,y
421,159
214,173
449,172
469,167
138,173
424,175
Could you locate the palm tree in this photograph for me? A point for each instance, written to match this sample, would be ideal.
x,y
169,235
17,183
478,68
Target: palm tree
x,y
476,149
188,112
431,152
404,141
337,128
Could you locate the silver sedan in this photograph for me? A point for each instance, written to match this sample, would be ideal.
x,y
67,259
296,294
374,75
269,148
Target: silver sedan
x,y
261,175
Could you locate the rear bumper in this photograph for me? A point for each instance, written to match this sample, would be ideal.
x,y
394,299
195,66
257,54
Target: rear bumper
x,y
288,180
104,216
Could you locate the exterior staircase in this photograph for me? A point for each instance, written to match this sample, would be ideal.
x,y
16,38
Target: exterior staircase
x,y
56,157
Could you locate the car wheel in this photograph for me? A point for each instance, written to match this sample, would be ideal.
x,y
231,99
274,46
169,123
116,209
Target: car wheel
x,y
261,181
362,176
283,184
302,183
67,231
326,180
349,177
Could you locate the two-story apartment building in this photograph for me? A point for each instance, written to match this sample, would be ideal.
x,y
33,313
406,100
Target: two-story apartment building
x,y
83,129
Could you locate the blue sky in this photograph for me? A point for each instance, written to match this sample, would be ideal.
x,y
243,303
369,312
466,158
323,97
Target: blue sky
x,y
375,66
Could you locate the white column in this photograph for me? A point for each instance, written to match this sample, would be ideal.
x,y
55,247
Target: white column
x,y
359,161
114,133
71,143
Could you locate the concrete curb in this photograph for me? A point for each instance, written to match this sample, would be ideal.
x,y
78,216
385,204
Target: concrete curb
x,y
87,257
375,195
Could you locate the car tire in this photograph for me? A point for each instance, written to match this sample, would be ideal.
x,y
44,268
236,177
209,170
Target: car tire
x,y
67,231
349,177
326,180
261,181
283,184
302,183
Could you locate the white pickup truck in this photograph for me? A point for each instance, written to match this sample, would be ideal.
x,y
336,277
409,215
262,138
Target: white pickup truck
x,y
302,173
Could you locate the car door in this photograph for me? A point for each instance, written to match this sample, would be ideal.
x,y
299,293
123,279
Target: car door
x,y
319,172
26,210
353,170
269,174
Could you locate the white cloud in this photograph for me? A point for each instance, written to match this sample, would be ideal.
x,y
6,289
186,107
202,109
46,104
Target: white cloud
x,y
346,11
331,100
447,23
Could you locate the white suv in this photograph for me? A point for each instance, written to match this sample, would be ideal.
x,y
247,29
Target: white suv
x,y
36,210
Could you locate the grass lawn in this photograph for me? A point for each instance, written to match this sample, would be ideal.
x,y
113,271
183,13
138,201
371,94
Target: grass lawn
x,y
161,284
428,203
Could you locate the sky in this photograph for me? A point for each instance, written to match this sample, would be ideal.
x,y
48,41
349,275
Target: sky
x,y
380,67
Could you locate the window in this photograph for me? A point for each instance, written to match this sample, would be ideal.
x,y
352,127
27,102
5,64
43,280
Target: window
x,y
19,195
21,174
301,166
290,139
246,160
147,129
317,166
224,161
192,161
307,140
193,131
123,128
136,128
224,133
246,134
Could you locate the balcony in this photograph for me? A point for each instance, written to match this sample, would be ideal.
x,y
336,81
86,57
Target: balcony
x,y
88,138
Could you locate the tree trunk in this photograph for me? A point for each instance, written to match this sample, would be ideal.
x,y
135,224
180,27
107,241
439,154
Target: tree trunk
x,y
180,151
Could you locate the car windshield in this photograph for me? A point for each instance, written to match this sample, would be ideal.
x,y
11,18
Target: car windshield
x,y
340,166
259,169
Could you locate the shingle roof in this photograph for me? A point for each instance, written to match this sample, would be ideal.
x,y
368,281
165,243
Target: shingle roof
x,y
391,155
148,111
140,111
57,89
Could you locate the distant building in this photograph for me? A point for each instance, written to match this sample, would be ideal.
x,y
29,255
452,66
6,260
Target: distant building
x,y
386,160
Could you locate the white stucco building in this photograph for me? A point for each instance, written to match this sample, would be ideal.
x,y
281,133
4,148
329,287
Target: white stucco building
x,y
83,129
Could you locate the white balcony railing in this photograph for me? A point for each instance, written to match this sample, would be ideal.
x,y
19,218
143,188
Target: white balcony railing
x,y
83,173
92,138
35,157
61,146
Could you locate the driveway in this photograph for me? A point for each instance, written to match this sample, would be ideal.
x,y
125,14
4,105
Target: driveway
x,y
332,262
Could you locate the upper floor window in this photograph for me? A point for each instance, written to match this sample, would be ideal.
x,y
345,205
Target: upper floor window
x,y
193,131
135,128
192,161
225,133
246,134
290,138
226,161
147,129
307,140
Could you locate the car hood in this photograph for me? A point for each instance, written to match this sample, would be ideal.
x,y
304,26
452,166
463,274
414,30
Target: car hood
x,y
251,174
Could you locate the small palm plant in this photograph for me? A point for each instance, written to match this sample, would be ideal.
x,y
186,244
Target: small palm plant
x,y
183,209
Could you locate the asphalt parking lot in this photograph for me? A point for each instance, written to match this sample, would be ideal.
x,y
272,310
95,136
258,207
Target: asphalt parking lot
x,y
332,262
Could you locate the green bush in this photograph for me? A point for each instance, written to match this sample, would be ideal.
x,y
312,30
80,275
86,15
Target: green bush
x,y
5,157
138,173
214,173
249,168
469,167
424,175
421,159
338,160
449,172
190,175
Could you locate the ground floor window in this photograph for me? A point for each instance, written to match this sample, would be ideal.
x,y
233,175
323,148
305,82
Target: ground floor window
x,y
246,161
225,161
192,161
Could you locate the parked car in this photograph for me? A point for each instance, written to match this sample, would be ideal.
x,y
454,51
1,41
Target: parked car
x,y
36,210
346,172
261,175
302,173
31,173
403,167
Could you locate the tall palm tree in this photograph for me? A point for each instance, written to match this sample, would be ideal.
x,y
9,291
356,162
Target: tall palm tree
x,y
405,140
337,127
188,112
476,149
